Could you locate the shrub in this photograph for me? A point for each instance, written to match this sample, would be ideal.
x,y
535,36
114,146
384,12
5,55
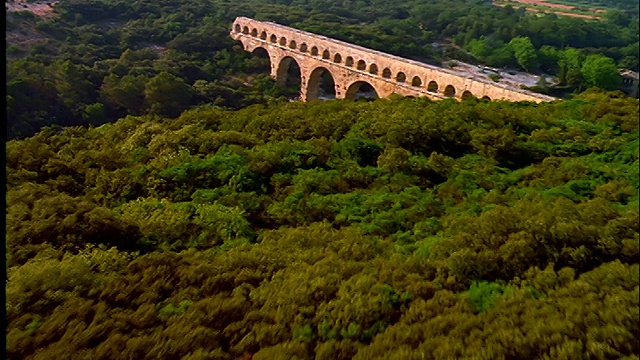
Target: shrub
x,y
482,295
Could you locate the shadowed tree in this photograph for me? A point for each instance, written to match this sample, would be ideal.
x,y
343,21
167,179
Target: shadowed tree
x,y
167,94
126,93
570,63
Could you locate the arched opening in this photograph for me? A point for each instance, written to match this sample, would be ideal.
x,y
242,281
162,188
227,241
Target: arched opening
x,y
314,51
303,47
486,98
288,75
373,69
325,54
361,90
263,35
254,32
386,73
238,29
361,65
432,87
283,41
449,91
245,30
401,77
259,61
321,85
466,95
337,58
292,44
416,81
273,38
349,61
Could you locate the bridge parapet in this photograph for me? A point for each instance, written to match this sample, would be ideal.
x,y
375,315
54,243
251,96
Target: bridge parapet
x,y
349,63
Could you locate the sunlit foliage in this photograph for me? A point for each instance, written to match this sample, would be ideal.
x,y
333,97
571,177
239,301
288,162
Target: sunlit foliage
x,y
392,229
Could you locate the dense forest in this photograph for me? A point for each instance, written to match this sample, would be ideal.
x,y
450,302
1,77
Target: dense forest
x,y
95,61
393,229
166,199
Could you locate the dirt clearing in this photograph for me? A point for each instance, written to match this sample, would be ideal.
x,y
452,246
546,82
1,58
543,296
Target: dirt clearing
x,y
39,8
533,3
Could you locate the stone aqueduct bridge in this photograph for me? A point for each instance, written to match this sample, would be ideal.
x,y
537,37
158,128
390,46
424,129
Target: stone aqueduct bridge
x,y
351,66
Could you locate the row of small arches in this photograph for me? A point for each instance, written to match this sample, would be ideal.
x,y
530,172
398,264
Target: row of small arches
x,y
337,58
401,77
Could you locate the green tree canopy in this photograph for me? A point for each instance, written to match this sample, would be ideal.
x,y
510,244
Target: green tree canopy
x,y
524,52
126,93
391,229
167,95
601,71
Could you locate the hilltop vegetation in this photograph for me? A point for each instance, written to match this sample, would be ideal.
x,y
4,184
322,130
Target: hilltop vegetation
x,y
96,61
198,214
392,229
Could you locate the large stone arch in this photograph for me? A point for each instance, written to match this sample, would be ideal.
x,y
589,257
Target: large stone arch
x,y
282,72
313,87
259,48
354,87
261,52
251,46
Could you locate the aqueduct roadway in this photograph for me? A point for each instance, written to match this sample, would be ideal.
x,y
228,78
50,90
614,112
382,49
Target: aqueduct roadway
x,y
351,66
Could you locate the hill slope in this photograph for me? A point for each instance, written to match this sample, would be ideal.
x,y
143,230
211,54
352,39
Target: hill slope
x,y
393,229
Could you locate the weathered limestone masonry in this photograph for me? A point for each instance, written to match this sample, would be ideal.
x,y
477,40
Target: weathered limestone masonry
x,y
351,66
